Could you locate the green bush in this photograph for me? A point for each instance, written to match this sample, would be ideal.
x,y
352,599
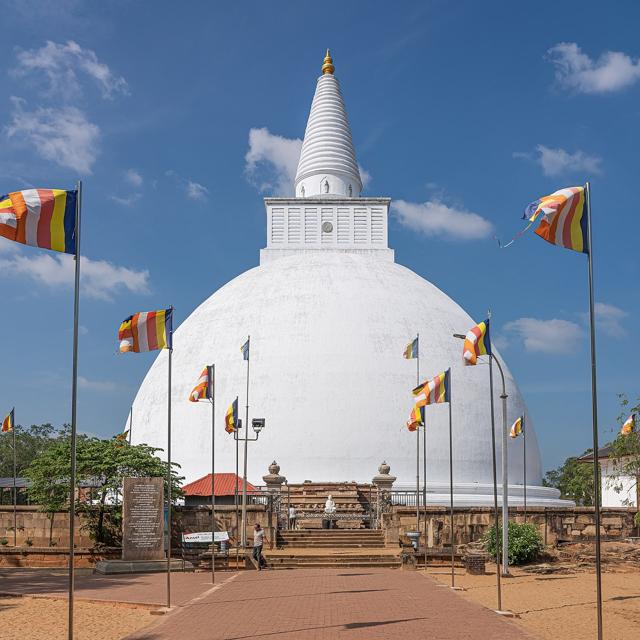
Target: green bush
x,y
525,542
4,541
636,519
29,542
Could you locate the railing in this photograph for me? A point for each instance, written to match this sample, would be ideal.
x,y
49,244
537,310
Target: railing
x,y
405,497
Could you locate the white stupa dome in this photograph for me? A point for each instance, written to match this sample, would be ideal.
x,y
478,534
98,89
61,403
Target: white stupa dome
x,y
329,313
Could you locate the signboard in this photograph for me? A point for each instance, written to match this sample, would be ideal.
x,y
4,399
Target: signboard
x,y
142,519
205,536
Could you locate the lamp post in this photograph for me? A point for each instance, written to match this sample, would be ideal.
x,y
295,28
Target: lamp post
x,y
257,425
505,471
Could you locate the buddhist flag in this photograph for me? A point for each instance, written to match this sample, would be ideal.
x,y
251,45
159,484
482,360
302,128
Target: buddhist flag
x,y
201,390
231,417
245,350
416,418
563,218
434,391
146,331
7,423
477,342
411,350
516,427
628,427
44,218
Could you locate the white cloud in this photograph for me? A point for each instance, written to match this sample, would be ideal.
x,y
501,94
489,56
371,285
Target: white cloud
x,y
272,161
62,135
133,178
61,63
434,218
98,278
196,191
608,319
546,336
556,162
612,71
193,190
97,385
500,340
365,176
127,201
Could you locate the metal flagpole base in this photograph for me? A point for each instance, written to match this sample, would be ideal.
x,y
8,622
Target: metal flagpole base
x,y
506,614
457,588
161,611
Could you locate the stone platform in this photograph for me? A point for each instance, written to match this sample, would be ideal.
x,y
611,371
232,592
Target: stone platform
x,y
112,567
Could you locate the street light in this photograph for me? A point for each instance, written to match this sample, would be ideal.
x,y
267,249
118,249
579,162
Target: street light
x,y
257,425
505,479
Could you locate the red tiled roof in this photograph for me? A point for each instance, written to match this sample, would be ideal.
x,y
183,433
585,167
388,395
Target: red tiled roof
x,y
225,484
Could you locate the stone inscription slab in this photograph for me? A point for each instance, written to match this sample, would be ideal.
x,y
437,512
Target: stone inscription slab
x,y
142,519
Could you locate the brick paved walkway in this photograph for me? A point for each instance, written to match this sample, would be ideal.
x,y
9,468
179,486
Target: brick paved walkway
x,y
141,588
308,604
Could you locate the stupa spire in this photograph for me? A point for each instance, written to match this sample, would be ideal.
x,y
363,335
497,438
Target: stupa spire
x,y
328,165
328,67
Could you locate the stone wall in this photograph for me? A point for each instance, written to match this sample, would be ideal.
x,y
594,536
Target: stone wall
x,y
470,523
192,519
36,526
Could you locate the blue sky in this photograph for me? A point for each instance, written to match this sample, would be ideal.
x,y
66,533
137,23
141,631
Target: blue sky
x,y
179,117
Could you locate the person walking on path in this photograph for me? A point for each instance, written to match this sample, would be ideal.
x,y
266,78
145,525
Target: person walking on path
x,y
292,518
258,541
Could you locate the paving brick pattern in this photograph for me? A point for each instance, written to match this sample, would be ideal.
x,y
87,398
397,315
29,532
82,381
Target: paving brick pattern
x,y
307,604
142,588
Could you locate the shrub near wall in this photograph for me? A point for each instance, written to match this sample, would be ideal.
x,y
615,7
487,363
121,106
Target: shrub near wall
x,y
525,543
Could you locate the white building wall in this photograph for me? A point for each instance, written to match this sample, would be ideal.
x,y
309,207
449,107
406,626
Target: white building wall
x,y
310,224
617,490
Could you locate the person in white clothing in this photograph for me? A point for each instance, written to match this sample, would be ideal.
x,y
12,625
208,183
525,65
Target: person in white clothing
x,y
258,542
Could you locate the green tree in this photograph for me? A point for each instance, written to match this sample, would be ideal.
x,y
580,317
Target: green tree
x,y
574,480
102,464
30,443
625,450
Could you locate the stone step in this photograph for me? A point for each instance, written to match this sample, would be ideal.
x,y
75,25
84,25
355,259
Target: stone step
x,y
333,541
329,533
346,565
327,545
333,563
332,532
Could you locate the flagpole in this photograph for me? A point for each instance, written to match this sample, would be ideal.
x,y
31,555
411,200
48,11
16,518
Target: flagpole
x,y
74,413
524,462
495,481
594,411
235,492
505,476
15,497
169,469
246,449
212,389
130,423
451,536
418,444
424,485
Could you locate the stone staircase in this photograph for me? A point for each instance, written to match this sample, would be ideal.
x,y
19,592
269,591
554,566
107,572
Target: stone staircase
x,y
331,539
352,502
333,548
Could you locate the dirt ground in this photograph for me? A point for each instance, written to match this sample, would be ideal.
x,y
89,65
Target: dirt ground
x,y
37,618
561,604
